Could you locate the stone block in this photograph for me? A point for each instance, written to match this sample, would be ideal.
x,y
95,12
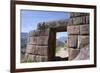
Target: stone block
x,y
84,29
32,40
79,20
33,33
70,21
72,41
73,29
42,50
61,23
35,51
87,19
72,53
77,14
30,48
42,40
84,54
52,24
83,40
43,32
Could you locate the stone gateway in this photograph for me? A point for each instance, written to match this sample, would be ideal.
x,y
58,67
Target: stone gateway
x,y
41,42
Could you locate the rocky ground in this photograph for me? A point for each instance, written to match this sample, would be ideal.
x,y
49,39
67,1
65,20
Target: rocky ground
x,y
62,53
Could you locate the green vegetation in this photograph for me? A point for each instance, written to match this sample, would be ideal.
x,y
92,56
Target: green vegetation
x,y
59,47
60,43
26,59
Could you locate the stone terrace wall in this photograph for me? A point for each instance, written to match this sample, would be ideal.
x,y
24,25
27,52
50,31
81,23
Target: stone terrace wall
x,y
78,33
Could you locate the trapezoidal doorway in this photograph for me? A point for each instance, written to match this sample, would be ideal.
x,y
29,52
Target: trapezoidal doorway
x,y
61,52
58,49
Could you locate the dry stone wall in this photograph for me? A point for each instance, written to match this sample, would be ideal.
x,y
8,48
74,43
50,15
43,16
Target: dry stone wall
x,y
38,40
37,45
77,26
78,33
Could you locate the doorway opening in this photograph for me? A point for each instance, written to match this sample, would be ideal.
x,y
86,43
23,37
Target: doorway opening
x,y
55,48
61,51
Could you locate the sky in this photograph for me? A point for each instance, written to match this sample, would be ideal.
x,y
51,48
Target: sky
x,y
30,18
61,34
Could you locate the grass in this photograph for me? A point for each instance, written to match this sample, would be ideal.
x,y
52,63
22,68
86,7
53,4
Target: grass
x,y
59,47
26,59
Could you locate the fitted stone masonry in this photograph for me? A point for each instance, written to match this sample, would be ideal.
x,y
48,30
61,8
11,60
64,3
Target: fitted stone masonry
x,y
41,42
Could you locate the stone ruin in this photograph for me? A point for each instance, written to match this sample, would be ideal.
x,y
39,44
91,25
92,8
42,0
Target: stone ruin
x,y
41,42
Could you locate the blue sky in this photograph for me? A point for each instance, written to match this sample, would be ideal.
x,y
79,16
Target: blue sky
x,y
61,34
30,18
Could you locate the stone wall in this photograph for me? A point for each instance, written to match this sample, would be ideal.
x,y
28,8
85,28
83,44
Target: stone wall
x,y
38,41
41,42
37,45
78,33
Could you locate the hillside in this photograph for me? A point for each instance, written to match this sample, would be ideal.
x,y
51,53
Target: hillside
x,y
24,39
62,39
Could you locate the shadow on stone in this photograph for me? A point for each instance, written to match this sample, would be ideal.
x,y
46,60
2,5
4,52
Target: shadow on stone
x,y
57,58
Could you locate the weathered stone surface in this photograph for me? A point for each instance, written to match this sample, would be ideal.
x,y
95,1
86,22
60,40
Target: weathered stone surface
x,y
30,48
74,14
35,51
33,33
72,41
87,19
84,53
83,40
62,22
43,32
72,53
70,21
73,29
84,29
77,38
58,23
42,50
32,40
42,40
79,20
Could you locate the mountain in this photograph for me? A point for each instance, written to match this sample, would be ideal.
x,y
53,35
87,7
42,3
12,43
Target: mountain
x,y
59,43
62,39
24,39
24,35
